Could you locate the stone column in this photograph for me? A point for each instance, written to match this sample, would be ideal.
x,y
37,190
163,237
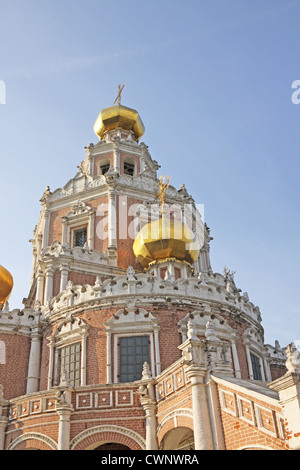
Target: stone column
x,y
40,287
91,230
267,369
249,362
202,426
108,357
64,410
65,240
51,363
117,162
236,362
193,351
48,285
90,163
83,359
64,272
151,439
148,402
34,362
64,428
157,352
112,218
46,229
112,227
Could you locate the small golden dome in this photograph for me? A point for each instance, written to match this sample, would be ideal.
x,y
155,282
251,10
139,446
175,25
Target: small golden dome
x,y
6,285
163,239
119,116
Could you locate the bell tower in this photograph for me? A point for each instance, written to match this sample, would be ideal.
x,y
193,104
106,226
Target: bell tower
x,y
87,228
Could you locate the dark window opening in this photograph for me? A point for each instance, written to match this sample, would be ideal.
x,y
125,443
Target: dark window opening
x,y
134,351
128,168
80,237
255,367
69,362
104,168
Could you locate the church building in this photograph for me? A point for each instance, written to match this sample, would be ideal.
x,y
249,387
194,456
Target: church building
x,y
128,339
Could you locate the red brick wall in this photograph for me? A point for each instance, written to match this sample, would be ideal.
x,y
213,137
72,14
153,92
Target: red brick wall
x,y
13,374
277,371
55,229
79,279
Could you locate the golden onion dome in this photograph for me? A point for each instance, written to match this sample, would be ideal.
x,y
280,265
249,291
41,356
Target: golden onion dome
x,y
163,239
119,116
6,285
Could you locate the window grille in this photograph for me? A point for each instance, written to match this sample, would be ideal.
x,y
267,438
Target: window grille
x,y
255,367
134,351
69,362
128,168
80,237
104,168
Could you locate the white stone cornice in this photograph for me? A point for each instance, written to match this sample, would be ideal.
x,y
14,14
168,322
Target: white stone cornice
x,y
20,322
147,290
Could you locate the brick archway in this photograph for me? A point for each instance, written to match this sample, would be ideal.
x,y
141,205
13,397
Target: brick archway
x,y
92,438
181,418
33,441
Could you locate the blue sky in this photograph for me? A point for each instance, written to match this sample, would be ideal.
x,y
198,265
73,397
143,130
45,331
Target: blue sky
x,y
211,80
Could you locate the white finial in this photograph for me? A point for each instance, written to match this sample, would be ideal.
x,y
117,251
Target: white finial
x,y
210,332
192,331
146,374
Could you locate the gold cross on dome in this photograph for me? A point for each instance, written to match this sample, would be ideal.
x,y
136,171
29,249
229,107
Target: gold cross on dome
x,y
118,98
163,185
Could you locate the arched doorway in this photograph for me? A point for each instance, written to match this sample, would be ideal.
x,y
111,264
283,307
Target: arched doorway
x,y
112,446
180,438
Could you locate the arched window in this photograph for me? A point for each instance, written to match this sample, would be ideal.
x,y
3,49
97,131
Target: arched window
x,y
129,167
104,166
